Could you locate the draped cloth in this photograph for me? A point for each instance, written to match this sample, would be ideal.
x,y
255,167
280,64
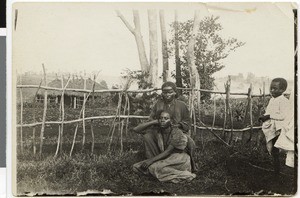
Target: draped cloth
x,y
286,138
177,166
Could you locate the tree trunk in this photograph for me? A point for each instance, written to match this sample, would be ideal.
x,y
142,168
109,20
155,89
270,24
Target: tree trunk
x,y
152,19
164,46
194,75
195,80
136,31
177,59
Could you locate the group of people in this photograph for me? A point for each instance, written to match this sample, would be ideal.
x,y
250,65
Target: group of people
x,y
169,149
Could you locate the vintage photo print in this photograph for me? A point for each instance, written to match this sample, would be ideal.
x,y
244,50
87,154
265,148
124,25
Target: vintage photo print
x,y
187,99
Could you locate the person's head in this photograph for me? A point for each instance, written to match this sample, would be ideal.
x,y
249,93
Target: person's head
x,y
168,91
278,86
164,119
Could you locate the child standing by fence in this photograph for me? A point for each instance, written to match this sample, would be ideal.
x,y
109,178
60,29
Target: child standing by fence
x,y
274,117
286,140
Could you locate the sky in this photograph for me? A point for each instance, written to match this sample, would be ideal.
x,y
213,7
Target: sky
x,y
89,37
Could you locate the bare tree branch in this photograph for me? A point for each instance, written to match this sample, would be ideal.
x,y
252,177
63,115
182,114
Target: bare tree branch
x,y
130,28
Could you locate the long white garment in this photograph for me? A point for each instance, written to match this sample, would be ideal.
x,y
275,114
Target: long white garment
x,y
286,139
278,109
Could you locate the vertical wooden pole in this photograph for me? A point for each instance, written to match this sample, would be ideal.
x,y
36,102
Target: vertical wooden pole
x,y
83,114
74,102
128,113
120,123
251,112
229,109
113,126
44,112
246,112
71,101
121,137
214,117
226,110
33,140
62,116
93,112
74,138
194,117
34,112
76,128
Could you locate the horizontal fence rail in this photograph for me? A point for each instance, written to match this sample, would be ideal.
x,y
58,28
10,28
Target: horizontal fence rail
x,y
128,116
80,120
135,91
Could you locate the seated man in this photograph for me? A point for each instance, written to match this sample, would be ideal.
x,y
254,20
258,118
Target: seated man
x,y
170,160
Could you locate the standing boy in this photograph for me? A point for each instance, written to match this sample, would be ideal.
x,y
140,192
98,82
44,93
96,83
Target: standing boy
x,y
274,117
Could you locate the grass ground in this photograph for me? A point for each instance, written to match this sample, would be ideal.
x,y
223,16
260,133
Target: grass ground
x,y
222,170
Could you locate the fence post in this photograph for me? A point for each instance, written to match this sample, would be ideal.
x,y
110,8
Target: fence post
x,y
93,113
76,128
227,91
44,112
113,126
214,117
59,127
122,126
250,110
128,113
74,104
229,108
62,117
83,114
246,113
34,111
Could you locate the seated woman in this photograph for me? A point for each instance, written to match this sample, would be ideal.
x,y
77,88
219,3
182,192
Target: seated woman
x,y
169,161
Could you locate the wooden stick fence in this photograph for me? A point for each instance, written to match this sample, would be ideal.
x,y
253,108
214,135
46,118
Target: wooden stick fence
x,y
34,111
44,112
122,116
62,117
83,115
93,113
76,128
136,91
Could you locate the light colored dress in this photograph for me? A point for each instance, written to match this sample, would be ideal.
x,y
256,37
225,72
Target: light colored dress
x,y
277,109
286,139
176,167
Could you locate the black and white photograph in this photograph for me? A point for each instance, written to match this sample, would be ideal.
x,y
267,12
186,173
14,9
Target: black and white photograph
x,y
139,99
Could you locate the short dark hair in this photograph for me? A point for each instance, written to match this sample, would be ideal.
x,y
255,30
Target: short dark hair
x,y
282,83
159,112
172,85
169,84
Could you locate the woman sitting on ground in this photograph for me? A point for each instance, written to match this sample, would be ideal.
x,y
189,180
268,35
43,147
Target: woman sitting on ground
x,y
170,161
